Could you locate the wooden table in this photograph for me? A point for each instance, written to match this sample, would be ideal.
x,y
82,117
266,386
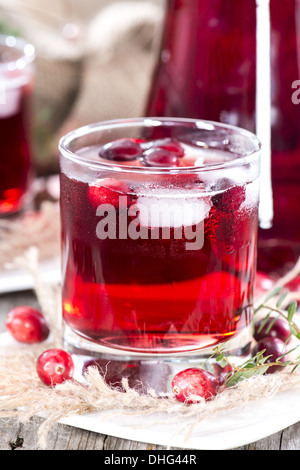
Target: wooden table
x,y
14,435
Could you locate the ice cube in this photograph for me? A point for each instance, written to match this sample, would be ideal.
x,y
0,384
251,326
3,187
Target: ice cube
x,y
252,193
172,208
226,178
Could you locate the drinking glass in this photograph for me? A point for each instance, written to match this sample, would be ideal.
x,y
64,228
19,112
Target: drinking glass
x,y
159,228
16,86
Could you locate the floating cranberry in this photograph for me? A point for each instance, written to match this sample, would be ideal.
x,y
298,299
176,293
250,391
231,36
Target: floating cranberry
x,y
27,325
54,366
230,200
121,150
194,385
170,145
278,328
158,157
275,348
109,191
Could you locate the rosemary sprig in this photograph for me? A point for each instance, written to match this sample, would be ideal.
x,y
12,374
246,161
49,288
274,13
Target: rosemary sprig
x,y
258,364
288,315
255,365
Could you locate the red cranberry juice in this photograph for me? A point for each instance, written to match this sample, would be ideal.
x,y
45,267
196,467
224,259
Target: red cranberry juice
x,y
207,69
151,293
15,129
15,160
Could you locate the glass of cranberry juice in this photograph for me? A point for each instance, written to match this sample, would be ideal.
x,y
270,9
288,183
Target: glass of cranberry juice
x,y
159,226
16,85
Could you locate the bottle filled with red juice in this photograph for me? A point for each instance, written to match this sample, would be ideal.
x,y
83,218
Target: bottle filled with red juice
x,y
237,62
16,85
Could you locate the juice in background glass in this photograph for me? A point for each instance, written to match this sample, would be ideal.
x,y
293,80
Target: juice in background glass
x,y
16,84
207,69
158,237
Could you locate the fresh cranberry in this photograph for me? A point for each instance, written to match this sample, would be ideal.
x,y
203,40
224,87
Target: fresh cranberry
x,y
54,366
230,200
194,385
27,325
121,150
108,191
273,347
158,157
171,146
278,328
294,284
263,283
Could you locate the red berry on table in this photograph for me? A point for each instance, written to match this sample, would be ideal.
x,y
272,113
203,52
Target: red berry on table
x,y
276,328
27,325
263,283
294,284
273,347
194,385
54,366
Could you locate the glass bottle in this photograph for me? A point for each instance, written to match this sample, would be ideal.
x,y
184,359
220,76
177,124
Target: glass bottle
x,y
237,62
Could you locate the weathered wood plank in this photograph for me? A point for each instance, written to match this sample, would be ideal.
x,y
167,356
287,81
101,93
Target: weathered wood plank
x,y
269,443
16,436
291,438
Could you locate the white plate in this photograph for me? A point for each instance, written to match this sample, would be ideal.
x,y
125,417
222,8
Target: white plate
x,y
228,430
15,280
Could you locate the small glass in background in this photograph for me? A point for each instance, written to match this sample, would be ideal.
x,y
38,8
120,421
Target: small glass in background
x,y
16,87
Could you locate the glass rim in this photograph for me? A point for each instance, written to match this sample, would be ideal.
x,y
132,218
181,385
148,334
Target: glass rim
x,y
82,131
27,52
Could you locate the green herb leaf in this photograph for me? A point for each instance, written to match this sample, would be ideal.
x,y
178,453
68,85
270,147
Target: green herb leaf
x,y
291,310
294,331
270,296
281,299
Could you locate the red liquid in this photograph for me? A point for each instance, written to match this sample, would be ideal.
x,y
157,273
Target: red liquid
x,y
16,82
154,295
15,160
207,69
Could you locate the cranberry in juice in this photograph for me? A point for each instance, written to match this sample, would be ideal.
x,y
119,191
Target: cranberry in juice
x,y
15,132
207,69
158,293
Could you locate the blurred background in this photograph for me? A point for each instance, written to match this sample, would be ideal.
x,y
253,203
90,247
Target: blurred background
x,y
94,61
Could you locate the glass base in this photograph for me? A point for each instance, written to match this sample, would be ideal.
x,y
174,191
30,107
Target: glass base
x,y
146,371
